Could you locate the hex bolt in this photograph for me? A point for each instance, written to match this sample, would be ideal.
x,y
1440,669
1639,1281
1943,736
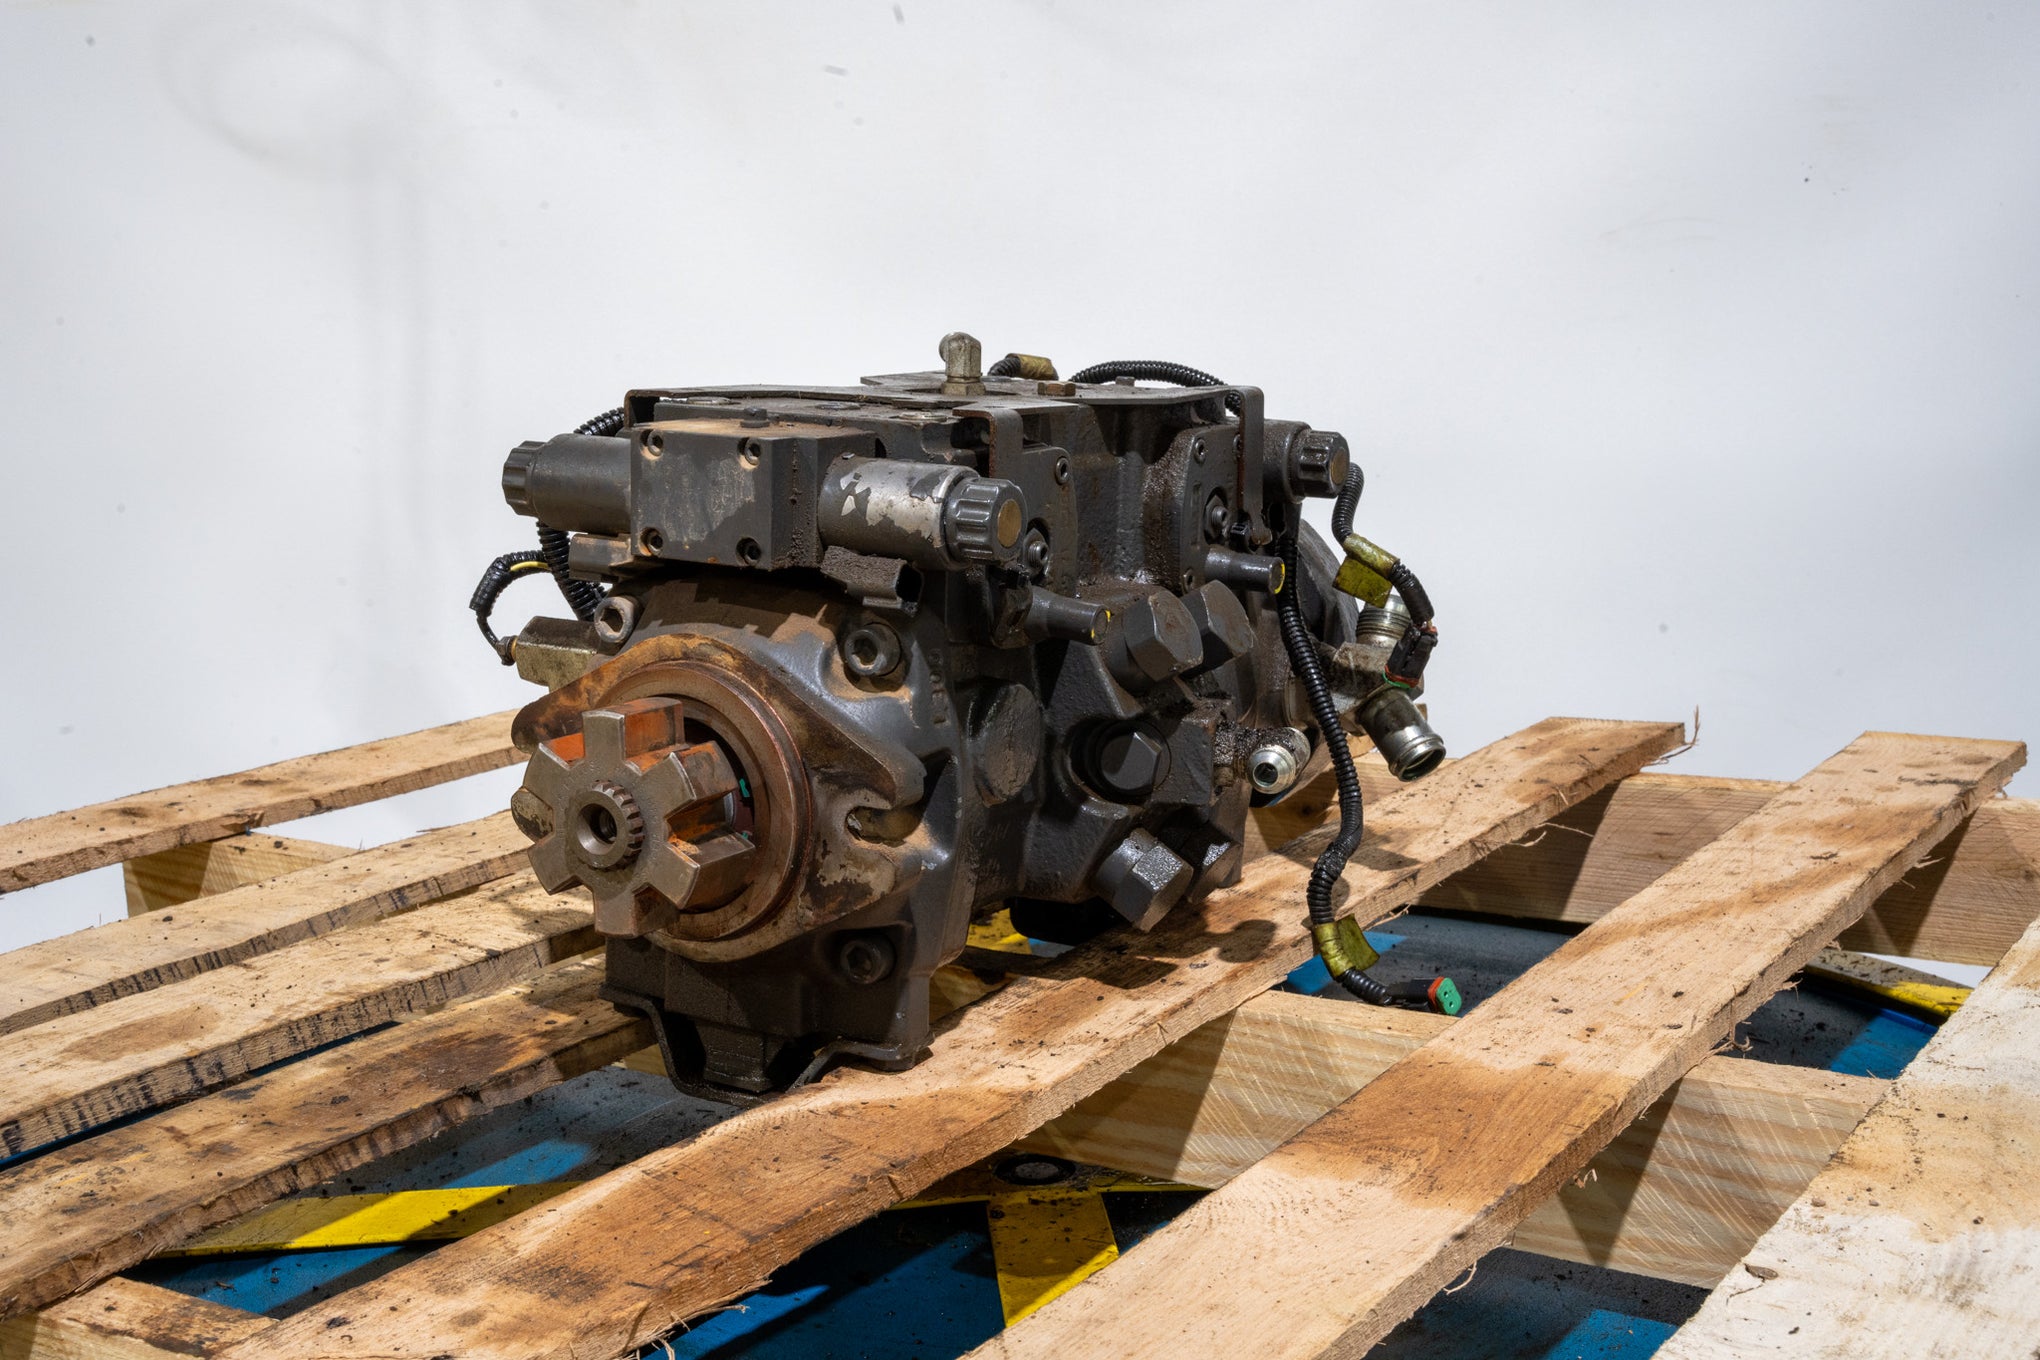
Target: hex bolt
x,y
1130,761
1157,638
1222,624
1217,517
1034,553
1142,879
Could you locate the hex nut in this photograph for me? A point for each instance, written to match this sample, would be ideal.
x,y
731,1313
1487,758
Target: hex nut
x,y
1142,878
1318,463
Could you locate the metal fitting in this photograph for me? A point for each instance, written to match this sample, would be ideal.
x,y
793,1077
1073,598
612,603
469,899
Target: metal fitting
x,y
1401,734
1276,763
1050,615
1248,571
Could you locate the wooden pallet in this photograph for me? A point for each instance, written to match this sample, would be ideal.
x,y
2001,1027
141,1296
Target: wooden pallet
x,y
184,1068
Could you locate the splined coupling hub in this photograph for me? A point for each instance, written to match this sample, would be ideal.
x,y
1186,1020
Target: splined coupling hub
x,y
647,817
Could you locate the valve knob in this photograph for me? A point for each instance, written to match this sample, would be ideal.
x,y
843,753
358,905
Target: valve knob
x,y
982,520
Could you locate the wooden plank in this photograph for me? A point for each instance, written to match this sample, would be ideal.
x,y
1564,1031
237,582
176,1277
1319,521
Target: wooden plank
x,y
126,1320
1354,1223
1681,1194
1923,1234
122,958
64,843
72,1074
1965,906
110,1201
188,872
633,1253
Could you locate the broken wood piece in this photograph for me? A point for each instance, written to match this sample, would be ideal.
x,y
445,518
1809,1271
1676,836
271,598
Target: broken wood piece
x,y
1923,1234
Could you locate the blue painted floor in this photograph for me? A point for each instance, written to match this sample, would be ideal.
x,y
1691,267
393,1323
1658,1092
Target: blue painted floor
x,y
919,1284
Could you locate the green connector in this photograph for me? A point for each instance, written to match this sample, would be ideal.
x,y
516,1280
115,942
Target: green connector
x,y
1445,997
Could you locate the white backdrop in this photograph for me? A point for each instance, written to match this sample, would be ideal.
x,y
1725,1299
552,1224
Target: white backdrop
x,y
1691,350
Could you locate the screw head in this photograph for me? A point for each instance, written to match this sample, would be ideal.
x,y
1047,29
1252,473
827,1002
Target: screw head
x,y
865,959
872,650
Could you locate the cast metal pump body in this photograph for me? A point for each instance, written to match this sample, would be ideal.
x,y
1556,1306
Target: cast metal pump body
x,y
854,666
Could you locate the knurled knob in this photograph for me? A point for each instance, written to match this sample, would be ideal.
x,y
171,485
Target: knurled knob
x,y
983,519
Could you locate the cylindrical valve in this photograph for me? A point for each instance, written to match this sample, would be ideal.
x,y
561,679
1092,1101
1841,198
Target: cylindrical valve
x,y
932,514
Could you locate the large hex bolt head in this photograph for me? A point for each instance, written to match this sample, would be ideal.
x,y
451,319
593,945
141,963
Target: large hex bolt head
x,y
1155,638
1222,624
1129,761
1142,879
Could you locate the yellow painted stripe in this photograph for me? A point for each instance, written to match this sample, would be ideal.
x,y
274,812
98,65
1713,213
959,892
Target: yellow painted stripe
x,y
1937,999
1941,1001
996,932
370,1220
1045,1243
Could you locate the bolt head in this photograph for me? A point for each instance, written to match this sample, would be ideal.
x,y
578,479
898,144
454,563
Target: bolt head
x,y
1160,636
1131,761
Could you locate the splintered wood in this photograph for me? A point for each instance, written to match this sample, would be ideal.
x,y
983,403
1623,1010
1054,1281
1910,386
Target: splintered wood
x,y
634,1253
1358,1220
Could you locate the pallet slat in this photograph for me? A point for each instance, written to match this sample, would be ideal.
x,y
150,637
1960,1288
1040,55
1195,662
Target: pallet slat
x,y
1925,1229
72,1074
1355,1223
75,972
1680,1195
64,843
633,1253
126,1320
111,1200
1968,906
205,868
